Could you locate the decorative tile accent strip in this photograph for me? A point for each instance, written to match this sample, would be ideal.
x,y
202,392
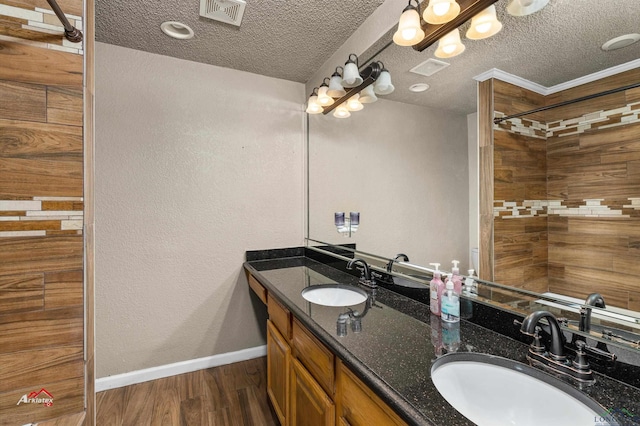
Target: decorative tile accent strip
x,y
522,126
42,21
622,116
635,204
516,209
9,234
27,218
590,207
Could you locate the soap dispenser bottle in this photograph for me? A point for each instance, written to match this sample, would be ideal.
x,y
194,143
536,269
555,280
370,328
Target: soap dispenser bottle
x,y
436,287
450,304
456,277
470,286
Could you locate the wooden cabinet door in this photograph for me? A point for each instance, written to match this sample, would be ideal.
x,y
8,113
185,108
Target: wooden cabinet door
x,y
309,404
278,359
357,405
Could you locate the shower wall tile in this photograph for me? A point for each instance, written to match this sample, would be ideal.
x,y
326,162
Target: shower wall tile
x,y
35,217
22,24
591,201
41,211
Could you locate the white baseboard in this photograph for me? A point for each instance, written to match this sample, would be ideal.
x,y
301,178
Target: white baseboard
x,y
153,373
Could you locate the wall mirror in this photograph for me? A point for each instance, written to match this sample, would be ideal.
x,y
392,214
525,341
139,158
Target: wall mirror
x,y
409,162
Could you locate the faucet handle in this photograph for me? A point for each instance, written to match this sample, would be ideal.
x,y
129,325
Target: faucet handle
x,y
537,346
377,275
608,356
580,362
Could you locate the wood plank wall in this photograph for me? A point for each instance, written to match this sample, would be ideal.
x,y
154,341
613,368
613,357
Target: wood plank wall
x,y
582,161
520,242
41,213
485,161
598,251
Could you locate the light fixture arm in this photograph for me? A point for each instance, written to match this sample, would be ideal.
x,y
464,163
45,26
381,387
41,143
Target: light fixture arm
x,y
369,76
468,9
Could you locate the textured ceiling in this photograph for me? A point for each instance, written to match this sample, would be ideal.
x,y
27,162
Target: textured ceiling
x,y
560,43
292,39
277,38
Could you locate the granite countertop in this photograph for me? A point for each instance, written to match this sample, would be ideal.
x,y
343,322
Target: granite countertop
x,y
399,341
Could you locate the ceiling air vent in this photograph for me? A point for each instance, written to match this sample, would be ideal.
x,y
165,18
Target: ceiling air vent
x,y
228,11
429,67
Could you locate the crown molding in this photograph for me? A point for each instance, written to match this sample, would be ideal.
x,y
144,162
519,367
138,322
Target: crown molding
x,y
545,91
513,79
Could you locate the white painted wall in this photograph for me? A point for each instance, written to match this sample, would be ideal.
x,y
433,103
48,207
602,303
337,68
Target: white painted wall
x,y
405,169
195,164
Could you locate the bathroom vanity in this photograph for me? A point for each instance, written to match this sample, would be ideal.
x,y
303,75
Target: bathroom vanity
x,y
379,371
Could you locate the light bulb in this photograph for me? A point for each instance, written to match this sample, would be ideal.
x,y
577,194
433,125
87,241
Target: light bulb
x,y
525,7
341,111
450,45
441,8
409,31
449,48
354,104
351,76
312,106
441,11
484,24
383,85
483,28
335,85
368,96
323,98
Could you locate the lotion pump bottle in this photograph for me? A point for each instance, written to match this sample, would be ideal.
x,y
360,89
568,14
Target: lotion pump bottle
x,y
470,285
456,277
436,287
450,304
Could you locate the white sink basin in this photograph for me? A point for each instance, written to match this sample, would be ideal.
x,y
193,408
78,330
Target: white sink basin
x,y
334,295
494,391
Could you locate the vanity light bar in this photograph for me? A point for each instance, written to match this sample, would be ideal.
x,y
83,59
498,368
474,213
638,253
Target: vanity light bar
x,y
433,33
369,76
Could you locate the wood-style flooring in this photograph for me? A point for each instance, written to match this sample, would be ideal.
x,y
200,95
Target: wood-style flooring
x,y
234,394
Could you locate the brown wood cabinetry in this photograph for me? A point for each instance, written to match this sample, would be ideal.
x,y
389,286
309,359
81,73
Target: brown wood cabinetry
x,y
257,288
357,405
309,404
315,356
278,359
279,316
306,384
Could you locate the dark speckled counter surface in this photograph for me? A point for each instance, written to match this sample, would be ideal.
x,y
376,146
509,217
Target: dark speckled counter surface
x,y
394,352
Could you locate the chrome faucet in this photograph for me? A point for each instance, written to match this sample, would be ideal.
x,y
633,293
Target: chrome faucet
x,y
365,277
596,300
555,359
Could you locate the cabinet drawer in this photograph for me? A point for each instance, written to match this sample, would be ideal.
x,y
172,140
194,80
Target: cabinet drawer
x,y
357,405
315,356
257,288
280,316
